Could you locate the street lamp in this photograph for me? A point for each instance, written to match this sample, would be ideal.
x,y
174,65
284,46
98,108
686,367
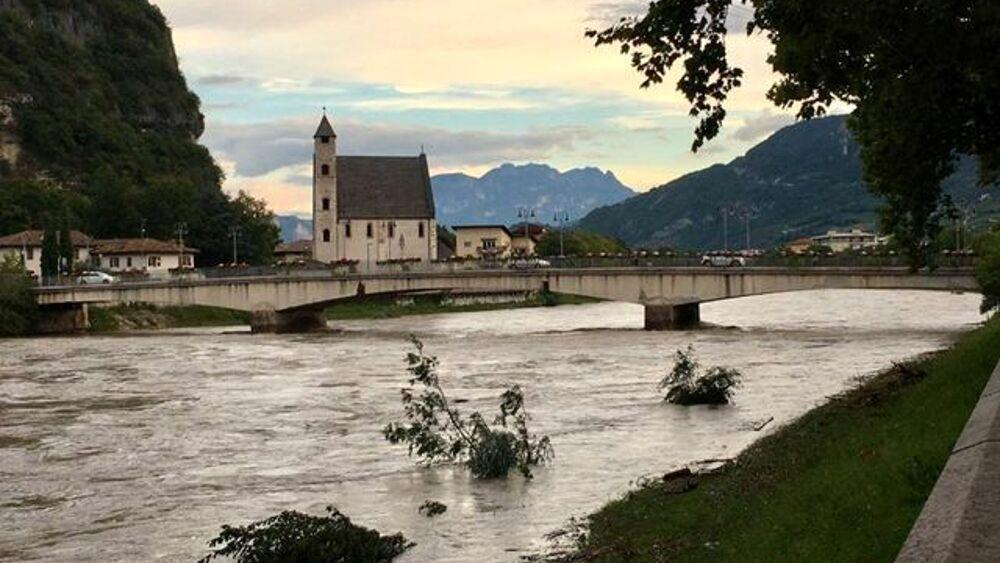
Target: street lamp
x,y
182,229
234,233
525,214
561,218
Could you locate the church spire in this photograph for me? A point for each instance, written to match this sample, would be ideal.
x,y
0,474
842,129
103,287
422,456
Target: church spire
x,y
325,129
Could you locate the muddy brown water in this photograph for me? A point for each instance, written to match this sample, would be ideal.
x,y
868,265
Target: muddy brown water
x,y
138,447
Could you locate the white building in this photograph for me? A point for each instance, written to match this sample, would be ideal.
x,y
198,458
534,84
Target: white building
x,y
27,245
370,208
141,256
855,239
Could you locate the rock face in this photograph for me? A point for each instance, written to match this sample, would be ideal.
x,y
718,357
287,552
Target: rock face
x,y
82,84
802,181
495,197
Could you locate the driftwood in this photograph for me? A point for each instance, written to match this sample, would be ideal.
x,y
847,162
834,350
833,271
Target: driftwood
x,y
759,427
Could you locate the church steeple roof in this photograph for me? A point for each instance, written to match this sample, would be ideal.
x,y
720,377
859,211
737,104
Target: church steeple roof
x,y
325,129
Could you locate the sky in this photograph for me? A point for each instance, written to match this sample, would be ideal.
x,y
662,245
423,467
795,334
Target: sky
x,y
474,83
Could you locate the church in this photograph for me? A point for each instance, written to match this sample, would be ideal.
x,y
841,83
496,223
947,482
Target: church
x,y
370,209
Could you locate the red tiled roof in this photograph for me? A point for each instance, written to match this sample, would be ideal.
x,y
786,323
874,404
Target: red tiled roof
x,y
138,246
34,238
297,247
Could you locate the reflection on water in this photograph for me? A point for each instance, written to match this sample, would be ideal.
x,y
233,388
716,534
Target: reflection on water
x,y
136,448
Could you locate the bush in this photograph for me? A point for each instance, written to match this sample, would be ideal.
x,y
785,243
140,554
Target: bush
x,y
18,309
293,536
685,387
436,432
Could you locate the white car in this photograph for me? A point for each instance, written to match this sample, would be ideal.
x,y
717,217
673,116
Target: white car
x,y
95,278
722,260
530,264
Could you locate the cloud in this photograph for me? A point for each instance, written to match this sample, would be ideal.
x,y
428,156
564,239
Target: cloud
x,y
225,80
762,125
256,149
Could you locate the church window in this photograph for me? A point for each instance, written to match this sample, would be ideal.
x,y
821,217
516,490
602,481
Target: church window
x,y
347,230
369,231
324,170
392,230
325,140
326,235
326,204
420,230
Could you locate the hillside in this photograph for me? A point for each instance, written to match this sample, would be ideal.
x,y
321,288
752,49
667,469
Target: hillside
x,y
802,181
495,197
99,130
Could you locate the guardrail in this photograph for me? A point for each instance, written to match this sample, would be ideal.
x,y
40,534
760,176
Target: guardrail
x,y
961,519
596,262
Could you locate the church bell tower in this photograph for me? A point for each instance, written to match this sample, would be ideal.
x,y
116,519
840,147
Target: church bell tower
x,y
325,193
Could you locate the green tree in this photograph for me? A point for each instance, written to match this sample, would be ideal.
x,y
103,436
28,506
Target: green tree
x,y
66,250
577,243
258,232
922,75
18,310
988,270
50,253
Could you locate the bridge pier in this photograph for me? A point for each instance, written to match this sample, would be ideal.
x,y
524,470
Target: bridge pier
x,y
684,316
62,319
285,322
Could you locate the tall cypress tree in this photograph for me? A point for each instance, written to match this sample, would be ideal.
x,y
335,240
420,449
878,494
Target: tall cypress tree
x,y
50,253
66,248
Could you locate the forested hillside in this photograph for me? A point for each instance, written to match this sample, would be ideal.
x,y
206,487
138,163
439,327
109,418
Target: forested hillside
x,y
99,131
802,181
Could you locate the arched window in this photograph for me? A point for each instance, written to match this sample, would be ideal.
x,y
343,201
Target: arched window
x,y
326,235
347,230
369,231
326,204
392,230
420,230
324,170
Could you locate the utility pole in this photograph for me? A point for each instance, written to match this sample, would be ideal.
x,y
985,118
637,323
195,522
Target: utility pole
x,y
182,229
234,233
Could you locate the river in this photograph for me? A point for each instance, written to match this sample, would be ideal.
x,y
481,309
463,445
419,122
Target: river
x,y
139,447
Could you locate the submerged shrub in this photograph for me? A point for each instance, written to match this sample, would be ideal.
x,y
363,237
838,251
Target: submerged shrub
x,y
436,432
686,387
293,536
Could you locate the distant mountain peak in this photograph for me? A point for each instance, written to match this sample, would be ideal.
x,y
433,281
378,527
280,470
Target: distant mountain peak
x,y
496,195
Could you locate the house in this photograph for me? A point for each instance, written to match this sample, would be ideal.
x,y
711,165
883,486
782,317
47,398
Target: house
x,y
27,245
799,245
855,239
370,208
141,255
483,241
288,253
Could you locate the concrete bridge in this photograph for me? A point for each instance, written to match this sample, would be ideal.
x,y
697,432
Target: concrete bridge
x,y
671,296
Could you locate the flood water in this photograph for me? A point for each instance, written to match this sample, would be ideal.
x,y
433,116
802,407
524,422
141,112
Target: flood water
x,y
138,447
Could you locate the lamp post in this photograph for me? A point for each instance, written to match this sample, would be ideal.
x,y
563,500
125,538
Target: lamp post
x,y
234,233
182,229
561,218
525,214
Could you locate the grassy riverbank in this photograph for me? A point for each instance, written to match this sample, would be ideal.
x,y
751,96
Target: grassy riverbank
x,y
149,317
843,483
383,308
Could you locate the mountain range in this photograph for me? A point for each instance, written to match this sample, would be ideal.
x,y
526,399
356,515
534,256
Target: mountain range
x,y
495,197
802,181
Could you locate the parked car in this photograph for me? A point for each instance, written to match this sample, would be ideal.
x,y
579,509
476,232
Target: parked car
x,y
95,278
723,260
530,264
